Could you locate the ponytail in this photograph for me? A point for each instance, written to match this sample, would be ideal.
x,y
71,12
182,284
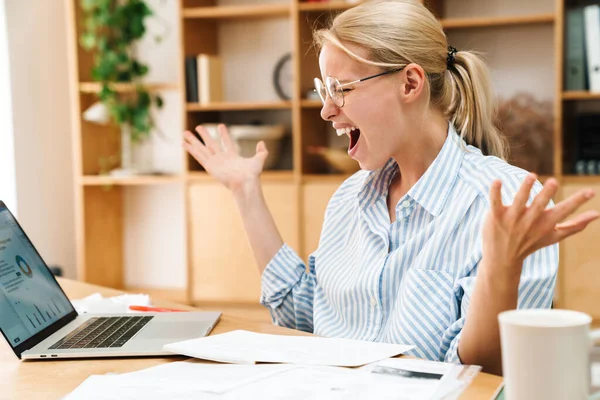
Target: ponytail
x,y
472,107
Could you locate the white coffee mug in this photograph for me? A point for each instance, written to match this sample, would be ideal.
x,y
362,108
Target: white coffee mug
x,y
545,354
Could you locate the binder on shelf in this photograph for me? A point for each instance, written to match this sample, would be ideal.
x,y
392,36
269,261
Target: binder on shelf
x,y
575,57
191,79
592,41
209,78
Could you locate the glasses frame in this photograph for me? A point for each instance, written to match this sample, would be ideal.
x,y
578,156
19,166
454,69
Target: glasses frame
x,y
318,81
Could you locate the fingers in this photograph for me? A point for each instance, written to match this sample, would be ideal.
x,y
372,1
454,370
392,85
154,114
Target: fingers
x,y
574,225
566,207
226,139
496,198
209,142
540,202
261,151
195,147
520,202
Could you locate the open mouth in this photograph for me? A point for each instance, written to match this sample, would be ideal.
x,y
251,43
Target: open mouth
x,y
354,136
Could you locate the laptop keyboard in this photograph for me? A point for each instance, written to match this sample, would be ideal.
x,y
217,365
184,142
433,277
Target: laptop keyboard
x,y
102,332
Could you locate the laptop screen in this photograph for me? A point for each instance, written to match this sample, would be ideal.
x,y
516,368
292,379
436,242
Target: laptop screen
x,y
30,298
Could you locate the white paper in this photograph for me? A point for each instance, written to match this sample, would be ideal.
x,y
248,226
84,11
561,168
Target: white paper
x,y
96,304
213,378
236,382
177,380
246,347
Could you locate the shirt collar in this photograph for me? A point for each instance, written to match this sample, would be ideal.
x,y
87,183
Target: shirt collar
x,y
433,188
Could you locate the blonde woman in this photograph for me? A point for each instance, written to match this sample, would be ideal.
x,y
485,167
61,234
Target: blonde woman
x,y
418,247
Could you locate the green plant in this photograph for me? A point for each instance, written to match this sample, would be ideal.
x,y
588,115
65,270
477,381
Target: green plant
x,y
111,29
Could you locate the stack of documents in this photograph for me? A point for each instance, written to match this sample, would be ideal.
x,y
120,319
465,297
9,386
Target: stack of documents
x,y
392,379
307,367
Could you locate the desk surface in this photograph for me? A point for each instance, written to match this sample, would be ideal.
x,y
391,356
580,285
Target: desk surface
x,y
55,379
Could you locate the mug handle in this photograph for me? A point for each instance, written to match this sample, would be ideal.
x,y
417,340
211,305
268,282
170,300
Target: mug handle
x,y
595,337
594,340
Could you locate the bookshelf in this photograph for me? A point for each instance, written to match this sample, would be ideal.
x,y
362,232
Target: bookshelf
x,y
220,266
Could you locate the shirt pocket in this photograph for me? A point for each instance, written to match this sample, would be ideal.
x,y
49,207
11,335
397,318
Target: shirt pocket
x,y
429,296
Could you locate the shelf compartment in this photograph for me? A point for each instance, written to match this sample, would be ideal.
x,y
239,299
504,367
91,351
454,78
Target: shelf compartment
x,y
238,11
99,180
580,95
489,22
94,87
266,176
231,106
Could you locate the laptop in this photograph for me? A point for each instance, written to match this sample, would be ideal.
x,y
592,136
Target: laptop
x,y
39,322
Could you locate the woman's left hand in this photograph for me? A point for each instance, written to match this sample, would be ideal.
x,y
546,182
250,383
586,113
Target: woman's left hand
x,y
511,233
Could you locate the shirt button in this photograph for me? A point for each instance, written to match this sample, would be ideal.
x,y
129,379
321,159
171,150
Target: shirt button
x,y
406,204
373,301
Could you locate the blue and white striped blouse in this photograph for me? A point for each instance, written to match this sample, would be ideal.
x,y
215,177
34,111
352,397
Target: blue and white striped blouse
x,y
410,281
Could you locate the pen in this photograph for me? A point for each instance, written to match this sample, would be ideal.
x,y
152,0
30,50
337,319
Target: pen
x,y
153,309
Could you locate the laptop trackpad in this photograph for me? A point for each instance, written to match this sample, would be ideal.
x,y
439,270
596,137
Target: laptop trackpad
x,y
174,330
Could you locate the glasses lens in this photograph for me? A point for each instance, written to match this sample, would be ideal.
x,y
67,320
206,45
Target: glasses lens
x,y
334,88
321,90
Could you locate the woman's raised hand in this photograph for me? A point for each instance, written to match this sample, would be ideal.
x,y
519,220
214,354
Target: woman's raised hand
x,y
225,164
511,233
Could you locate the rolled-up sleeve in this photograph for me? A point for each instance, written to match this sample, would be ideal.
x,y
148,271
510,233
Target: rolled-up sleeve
x,y
288,290
536,290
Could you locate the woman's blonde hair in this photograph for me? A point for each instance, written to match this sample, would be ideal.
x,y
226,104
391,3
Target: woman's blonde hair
x,y
400,32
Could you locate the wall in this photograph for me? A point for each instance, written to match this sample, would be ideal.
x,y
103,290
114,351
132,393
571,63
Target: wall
x,y
41,126
8,185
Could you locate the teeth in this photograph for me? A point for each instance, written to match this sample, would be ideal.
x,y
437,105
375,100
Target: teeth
x,y
345,131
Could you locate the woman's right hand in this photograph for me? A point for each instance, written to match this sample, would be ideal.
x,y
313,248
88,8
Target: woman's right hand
x,y
225,164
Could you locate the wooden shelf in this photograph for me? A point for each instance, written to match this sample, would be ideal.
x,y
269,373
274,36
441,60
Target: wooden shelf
x,y
98,180
94,87
227,106
311,104
580,95
586,179
488,22
238,11
327,6
269,176
325,178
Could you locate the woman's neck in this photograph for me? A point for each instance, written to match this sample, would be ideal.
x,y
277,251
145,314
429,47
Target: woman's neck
x,y
425,144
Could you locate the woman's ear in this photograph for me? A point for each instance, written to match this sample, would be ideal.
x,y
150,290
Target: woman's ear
x,y
414,82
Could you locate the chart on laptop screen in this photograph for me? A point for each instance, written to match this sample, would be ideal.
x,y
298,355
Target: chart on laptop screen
x,y
30,299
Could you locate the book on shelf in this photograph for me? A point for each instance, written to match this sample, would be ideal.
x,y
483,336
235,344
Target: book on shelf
x,y
210,78
191,79
591,15
582,48
575,62
203,79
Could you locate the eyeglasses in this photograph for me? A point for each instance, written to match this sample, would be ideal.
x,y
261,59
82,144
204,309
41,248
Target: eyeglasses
x,y
335,89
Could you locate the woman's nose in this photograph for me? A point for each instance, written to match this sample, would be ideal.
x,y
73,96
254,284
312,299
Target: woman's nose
x,y
329,110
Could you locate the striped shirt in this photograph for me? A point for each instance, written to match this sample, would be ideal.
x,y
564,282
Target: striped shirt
x,y
410,281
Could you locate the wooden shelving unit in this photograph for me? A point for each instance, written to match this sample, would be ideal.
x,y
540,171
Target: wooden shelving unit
x,y
328,6
266,176
220,264
490,22
249,106
94,87
580,95
95,180
238,11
